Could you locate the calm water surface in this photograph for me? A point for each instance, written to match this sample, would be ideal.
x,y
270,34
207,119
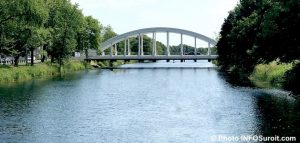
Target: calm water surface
x,y
142,105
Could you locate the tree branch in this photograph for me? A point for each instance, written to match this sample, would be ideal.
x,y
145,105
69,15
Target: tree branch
x,y
11,17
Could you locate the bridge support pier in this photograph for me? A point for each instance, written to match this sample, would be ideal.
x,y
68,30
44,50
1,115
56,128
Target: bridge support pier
x,y
111,50
142,45
154,44
140,50
116,49
209,50
128,47
195,51
168,44
125,47
181,45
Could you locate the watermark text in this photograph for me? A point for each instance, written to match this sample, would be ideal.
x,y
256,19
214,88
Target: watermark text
x,y
251,138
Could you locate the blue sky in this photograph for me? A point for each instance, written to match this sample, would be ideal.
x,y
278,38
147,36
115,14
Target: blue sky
x,y
201,16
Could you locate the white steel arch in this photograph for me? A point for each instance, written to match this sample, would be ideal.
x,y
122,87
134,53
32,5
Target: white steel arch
x,y
123,37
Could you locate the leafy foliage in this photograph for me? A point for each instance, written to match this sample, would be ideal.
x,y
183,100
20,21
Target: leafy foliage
x,y
58,26
258,32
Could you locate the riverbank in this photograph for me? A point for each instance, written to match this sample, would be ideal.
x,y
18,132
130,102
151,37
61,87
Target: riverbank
x,y
11,74
277,75
270,75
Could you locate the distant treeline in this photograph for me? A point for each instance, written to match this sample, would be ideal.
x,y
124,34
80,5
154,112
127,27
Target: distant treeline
x,y
259,32
189,50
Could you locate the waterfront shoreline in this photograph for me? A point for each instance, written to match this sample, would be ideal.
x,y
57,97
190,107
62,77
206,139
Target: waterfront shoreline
x,y
11,74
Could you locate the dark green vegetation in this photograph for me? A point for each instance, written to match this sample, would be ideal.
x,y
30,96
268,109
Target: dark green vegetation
x,y
58,27
259,32
270,75
10,74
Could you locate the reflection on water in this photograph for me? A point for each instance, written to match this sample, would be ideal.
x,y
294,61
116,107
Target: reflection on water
x,y
142,105
278,116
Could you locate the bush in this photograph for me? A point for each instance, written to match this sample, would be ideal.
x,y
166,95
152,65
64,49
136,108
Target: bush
x,y
270,75
22,73
292,81
72,66
103,64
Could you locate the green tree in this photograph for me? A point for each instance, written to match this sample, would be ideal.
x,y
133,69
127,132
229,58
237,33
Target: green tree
x,y
107,33
64,19
259,32
278,37
18,20
237,39
88,37
38,38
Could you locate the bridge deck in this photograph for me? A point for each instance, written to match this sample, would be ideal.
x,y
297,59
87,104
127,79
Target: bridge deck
x,y
150,57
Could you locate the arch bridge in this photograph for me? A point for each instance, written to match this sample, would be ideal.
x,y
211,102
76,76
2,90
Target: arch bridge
x,y
113,55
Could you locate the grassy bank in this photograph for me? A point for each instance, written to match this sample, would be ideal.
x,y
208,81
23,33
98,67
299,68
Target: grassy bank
x,y
10,74
270,75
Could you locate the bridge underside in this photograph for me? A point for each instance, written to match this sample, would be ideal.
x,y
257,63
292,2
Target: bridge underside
x,y
157,57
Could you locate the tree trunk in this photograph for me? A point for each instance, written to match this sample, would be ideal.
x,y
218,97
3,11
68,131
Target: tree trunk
x,y
26,57
43,58
43,55
60,66
86,53
31,55
16,60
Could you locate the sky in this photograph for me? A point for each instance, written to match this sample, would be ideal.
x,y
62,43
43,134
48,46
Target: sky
x,y
200,16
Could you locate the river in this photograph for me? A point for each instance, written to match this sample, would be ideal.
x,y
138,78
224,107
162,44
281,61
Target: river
x,y
157,105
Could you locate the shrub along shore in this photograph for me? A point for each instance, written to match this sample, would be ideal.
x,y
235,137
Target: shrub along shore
x,y
277,75
11,74
270,75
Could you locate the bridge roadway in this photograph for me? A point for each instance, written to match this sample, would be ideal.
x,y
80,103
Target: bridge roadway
x,y
151,57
